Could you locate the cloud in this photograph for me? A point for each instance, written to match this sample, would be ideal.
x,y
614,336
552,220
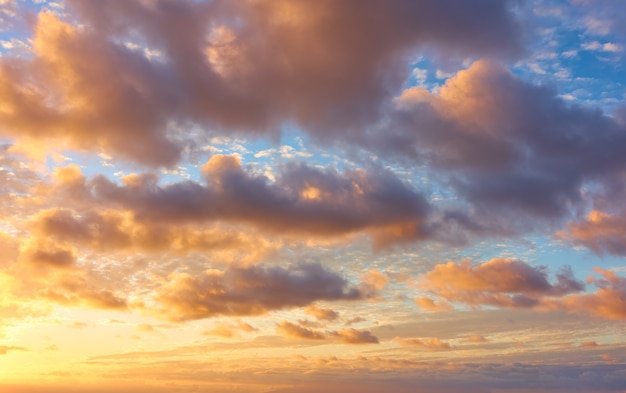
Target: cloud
x,y
252,290
302,200
145,327
45,253
9,249
353,336
75,292
512,283
499,282
345,336
298,331
477,339
609,301
4,349
81,91
601,232
518,153
430,305
229,330
113,230
373,282
322,314
121,77
431,343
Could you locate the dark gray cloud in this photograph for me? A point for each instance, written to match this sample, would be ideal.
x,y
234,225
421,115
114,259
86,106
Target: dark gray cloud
x,y
515,151
302,200
122,75
252,290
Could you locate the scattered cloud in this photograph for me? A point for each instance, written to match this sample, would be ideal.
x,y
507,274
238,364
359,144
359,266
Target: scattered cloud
x,y
431,343
253,290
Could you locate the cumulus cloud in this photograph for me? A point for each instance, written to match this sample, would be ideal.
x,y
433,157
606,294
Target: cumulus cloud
x,y
609,301
45,253
252,290
512,283
603,233
345,336
353,336
516,152
499,282
302,200
298,331
112,230
322,314
121,76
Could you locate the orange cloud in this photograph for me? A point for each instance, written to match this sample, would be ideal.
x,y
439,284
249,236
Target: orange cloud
x,y
9,249
229,330
252,290
349,202
609,301
345,336
112,230
431,343
512,283
477,339
430,305
78,89
4,349
298,331
88,89
498,282
46,253
601,232
353,336
322,314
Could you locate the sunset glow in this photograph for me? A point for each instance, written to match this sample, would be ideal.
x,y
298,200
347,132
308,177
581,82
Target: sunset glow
x,y
335,196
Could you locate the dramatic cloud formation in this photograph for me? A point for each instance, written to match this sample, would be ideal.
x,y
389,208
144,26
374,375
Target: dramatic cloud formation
x,y
252,290
116,230
302,200
91,89
601,232
609,301
435,177
510,148
498,282
513,283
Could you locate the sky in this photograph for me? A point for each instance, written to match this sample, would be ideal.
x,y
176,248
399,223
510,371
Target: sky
x,y
286,196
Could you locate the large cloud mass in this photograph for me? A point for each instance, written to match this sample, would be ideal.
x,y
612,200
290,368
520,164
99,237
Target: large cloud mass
x,y
253,290
126,74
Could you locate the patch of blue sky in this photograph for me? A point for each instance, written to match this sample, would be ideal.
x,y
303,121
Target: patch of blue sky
x,y
576,54
425,73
